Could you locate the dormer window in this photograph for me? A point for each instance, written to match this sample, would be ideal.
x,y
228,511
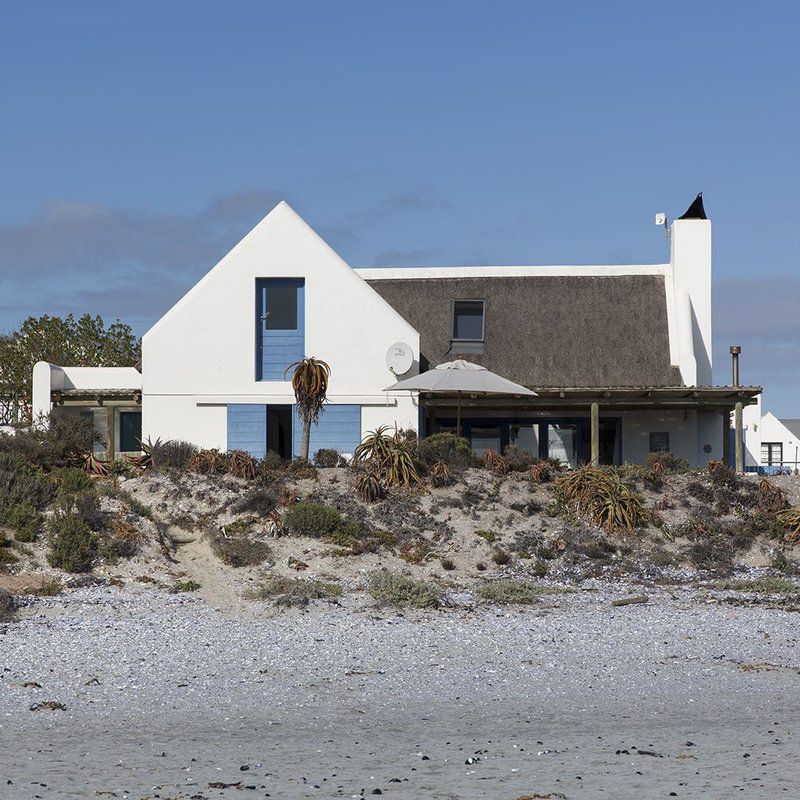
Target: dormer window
x,y
468,321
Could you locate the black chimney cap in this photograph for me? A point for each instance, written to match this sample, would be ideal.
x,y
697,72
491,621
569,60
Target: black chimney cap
x,y
695,210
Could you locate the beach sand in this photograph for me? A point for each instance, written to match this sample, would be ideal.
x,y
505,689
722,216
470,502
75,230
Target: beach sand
x,y
167,697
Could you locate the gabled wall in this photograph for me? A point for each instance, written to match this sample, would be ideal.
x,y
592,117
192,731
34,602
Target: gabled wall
x,y
201,356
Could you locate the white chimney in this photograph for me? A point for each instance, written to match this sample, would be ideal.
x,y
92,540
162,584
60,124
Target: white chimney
x,y
690,265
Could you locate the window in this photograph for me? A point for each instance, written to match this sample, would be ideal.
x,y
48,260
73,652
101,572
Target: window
x,y
468,320
130,431
771,454
659,442
280,307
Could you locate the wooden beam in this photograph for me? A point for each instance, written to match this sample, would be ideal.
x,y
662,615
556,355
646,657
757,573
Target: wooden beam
x,y
595,414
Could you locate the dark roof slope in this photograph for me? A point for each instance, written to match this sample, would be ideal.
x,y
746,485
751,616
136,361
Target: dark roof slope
x,y
578,331
793,425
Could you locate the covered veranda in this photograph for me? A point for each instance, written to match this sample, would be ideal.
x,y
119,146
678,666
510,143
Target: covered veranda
x,y
591,425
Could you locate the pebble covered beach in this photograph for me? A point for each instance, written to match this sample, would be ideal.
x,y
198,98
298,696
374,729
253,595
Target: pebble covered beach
x,y
141,694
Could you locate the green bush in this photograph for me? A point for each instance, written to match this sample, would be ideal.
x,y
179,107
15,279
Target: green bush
x,y
111,549
85,505
326,458
20,482
63,441
73,546
71,480
447,447
518,460
26,520
313,519
391,589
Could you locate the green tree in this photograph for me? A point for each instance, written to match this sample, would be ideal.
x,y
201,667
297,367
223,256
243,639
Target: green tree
x,y
66,341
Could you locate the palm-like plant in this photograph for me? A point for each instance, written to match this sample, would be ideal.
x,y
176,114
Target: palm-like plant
x,y
310,384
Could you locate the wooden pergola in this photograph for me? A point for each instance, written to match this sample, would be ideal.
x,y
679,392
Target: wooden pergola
x,y
722,399
102,398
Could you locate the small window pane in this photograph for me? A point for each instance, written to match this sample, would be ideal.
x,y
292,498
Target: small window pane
x,y
468,320
659,442
280,308
772,453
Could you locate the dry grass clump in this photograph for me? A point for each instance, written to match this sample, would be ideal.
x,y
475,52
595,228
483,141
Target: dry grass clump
x,y
667,462
765,585
238,549
495,463
509,590
599,494
790,519
295,587
209,462
400,591
440,474
260,500
771,498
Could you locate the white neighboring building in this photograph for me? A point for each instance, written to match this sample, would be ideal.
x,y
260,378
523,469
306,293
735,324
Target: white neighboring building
x,y
771,444
633,340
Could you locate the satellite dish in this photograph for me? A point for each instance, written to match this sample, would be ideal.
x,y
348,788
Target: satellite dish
x,y
399,358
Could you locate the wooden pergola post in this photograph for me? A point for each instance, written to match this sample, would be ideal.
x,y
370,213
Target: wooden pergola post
x,y
738,444
110,433
595,435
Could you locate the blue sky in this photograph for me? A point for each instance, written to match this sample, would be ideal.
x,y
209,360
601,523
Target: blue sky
x,y
140,141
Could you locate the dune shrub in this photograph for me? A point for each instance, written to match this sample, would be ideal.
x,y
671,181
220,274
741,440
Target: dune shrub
x,y
172,454
261,500
327,457
313,519
26,520
73,546
665,461
401,591
453,450
62,442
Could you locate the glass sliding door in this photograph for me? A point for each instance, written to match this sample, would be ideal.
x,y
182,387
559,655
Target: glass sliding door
x,y
525,437
486,437
562,443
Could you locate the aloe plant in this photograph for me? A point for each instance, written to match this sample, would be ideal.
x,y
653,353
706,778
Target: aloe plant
x,y
310,384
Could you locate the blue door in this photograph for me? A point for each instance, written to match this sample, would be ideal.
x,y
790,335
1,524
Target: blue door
x,y
280,326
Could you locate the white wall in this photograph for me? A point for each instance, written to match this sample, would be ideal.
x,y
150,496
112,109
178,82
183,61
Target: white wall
x,y
203,351
689,300
682,429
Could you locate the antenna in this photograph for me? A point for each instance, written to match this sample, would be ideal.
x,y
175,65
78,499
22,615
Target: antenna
x,y
661,219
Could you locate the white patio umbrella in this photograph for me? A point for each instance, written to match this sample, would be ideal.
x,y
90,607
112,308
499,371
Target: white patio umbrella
x,y
461,377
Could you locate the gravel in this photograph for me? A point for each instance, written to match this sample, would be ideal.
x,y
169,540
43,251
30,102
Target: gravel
x,y
485,702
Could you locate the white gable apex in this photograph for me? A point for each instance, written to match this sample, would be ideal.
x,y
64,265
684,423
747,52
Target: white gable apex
x,y
205,342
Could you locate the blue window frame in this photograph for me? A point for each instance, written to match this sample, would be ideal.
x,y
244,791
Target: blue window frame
x,y
280,326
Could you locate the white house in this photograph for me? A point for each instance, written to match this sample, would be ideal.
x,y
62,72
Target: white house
x,y
771,444
634,341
